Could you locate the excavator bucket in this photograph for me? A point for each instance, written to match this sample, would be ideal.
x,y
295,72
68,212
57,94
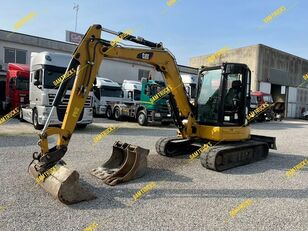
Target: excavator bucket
x,y
126,163
63,184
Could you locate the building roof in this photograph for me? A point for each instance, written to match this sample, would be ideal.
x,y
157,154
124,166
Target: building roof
x,y
31,40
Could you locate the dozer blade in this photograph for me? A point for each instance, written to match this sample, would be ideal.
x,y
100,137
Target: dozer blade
x,y
63,184
127,162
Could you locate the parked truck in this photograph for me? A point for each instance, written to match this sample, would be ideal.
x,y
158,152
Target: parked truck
x,y
105,91
190,83
15,90
136,104
45,69
257,99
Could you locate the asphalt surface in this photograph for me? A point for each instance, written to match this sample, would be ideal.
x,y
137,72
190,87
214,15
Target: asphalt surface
x,y
187,196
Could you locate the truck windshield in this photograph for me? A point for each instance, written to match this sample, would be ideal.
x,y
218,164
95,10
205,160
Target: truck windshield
x,y
155,88
22,84
209,96
52,73
111,91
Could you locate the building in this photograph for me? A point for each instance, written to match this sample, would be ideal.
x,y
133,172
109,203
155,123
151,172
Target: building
x,y
273,71
17,48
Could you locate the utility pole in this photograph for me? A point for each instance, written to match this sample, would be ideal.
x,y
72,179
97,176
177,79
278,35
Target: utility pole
x,y
76,7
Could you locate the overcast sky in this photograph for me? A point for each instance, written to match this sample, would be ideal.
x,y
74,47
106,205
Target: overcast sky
x,y
188,28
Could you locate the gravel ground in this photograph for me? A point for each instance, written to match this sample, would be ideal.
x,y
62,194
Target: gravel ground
x,y
187,196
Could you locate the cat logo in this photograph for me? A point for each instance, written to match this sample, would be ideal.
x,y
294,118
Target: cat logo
x,y
145,55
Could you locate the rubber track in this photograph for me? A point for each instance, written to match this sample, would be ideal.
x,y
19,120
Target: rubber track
x,y
228,156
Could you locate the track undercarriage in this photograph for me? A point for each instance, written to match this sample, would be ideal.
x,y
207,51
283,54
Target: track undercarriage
x,y
222,155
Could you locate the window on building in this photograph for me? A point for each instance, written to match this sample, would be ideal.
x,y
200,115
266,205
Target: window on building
x,y
12,55
143,74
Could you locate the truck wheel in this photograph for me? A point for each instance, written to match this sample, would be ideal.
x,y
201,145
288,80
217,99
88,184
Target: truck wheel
x,y
36,125
109,114
117,113
142,118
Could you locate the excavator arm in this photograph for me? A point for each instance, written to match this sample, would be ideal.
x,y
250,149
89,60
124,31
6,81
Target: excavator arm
x,y
86,61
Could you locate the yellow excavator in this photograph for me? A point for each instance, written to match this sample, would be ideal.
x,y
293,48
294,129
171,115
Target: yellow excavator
x,y
218,115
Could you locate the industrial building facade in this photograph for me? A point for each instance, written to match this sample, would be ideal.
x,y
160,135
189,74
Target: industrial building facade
x,y
17,48
273,71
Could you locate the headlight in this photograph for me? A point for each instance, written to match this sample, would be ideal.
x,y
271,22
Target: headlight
x,y
157,115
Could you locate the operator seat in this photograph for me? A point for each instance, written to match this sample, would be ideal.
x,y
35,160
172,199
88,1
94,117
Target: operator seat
x,y
232,101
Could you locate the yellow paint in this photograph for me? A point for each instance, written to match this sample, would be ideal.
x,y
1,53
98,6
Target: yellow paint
x,y
24,20
119,38
91,227
160,94
103,134
150,186
63,77
297,167
217,54
76,112
223,133
242,206
9,115
171,2
40,178
274,14
252,115
305,77
197,153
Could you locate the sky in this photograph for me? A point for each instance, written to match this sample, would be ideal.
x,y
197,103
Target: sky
x,y
188,28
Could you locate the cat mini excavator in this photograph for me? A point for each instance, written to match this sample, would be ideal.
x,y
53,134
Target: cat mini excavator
x,y
217,116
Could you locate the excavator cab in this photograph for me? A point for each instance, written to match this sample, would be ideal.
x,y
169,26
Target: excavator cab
x,y
223,98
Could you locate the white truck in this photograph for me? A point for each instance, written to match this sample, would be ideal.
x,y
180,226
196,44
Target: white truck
x,y
105,91
45,68
190,82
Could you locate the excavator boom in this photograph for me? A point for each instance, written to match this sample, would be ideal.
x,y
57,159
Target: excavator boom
x,y
86,61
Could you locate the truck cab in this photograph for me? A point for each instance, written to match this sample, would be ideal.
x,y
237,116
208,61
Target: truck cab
x,y
16,87
257,99
158,111
45,69
190,82
105,91
136,103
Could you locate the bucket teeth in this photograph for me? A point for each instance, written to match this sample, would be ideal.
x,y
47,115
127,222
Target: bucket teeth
x,y
63,184
127,162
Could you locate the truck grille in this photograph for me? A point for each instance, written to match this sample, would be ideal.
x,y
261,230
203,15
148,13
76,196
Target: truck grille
x,y
65,100
163,108
61,114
